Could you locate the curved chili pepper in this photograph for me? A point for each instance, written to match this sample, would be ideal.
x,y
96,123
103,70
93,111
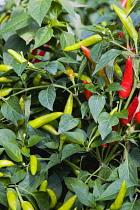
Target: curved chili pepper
x,y
5,92
69,105
37,79
120,197
12,199
69,203
137,117
127,80
83,77
86,42
131,111
50,128
5,68
37,52
120,34
86,51
53,198
26,205
87,93
127,22
43,186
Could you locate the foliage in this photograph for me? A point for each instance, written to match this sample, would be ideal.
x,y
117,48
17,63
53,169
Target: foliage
x,y
69,153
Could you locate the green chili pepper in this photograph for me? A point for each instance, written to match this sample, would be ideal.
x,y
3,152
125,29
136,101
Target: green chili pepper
x,y
86,42
5,68
53,198
83,77
36,80
118,71
33,164
22,105
26,205
5,92
43,186
69,105
1,174
127,22
19,57
50,128
7,79
40,121
69,203
12,199
6,163
120,197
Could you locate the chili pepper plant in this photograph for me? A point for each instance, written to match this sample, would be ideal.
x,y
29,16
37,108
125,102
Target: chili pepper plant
x,y
69,105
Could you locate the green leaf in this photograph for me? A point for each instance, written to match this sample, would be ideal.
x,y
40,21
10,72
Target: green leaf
x,y
106,121
52,67
34,139
42,199
18,176
43,35
122,114
47,97
71,149
134,156
11,109
6,136
106,58
3,197
55,184
19,68
66,39
16,23
67,122
84,196
54,160
128,170
13,151
67,6
114,87
78,136
38,9
95,52
131,206
71,181
66,60
96,104
84,109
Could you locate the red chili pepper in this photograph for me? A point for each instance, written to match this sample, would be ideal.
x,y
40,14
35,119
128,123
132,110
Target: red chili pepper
x,y
86,51
104,145
37,52
120,34
137,117
87,93
127,80
123,3
131,111
129,47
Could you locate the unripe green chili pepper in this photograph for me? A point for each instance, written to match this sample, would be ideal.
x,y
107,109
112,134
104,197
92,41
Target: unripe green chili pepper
x,y
12,200
40,121
1,174
86,42
69,71
118,71
7,79
5,68
115,109
43,186
69,203
127,22
120,197
69,105
102,74
19,57
33,164
83,77
6,163
37,79
22,105
26,205
5,92
50,128
53,198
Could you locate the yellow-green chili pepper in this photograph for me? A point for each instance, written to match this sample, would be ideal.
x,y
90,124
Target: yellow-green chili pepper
x,y
33,164
50,128
12,200
7,79
120,197
6,163
19,57
69,105
86,42
40,121
53,198
69,203
43,186
26,205
5,68
5,92
83,77
37,79
127,22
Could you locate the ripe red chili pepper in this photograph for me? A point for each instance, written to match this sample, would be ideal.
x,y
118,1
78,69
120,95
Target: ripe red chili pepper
x,y
137,117
37,52
86,51
123,3
104,145
127,80
87,93
131,111
120,34
130,48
